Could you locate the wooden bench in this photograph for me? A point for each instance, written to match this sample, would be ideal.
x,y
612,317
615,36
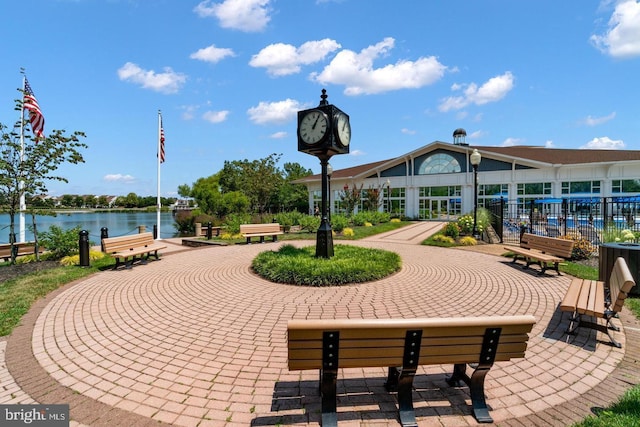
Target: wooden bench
x,y
21,248
215,231
542,250
598,300
402,345
261,230
132,246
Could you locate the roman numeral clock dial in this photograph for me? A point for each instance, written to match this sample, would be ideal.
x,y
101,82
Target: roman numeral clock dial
x,y
313,127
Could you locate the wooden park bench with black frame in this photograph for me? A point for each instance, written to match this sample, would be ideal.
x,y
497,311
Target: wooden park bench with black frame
x,y
20,249
204,231
599,300
542,250
137,247
402,345
261,231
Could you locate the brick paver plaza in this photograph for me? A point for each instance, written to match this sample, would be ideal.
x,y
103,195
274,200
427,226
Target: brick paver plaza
x,y
197,339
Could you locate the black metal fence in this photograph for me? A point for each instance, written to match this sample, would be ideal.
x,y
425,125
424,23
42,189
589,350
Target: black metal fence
x,y
598,220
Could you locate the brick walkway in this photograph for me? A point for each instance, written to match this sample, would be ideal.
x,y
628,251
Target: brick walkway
x,y
197,340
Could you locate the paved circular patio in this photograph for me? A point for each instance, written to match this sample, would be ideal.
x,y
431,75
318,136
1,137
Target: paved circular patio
x,y
196,339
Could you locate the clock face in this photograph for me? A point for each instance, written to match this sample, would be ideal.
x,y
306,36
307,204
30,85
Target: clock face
x,y
313,127
343,129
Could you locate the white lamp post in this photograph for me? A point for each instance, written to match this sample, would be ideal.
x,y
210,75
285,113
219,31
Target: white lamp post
x,y
475,159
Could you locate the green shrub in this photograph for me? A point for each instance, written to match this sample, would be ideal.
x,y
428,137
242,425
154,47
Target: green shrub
x,y
350,264
451,229
60,243
287,219
185,222
360,218
233,221
339,223
310,223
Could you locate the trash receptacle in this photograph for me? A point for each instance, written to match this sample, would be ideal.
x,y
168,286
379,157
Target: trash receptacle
x,y
609,252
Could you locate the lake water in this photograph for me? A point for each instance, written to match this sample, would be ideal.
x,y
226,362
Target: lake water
x,y
117,223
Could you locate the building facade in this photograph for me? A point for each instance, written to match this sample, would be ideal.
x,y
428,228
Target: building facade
x,y
437,180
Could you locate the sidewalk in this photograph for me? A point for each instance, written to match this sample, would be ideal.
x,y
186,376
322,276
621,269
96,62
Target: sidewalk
x,y
196,339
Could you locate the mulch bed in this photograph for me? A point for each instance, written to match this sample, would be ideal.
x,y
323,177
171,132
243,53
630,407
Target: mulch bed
x,y
9,272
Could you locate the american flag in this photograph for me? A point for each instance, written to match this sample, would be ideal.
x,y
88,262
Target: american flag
x,y
161,141
30,103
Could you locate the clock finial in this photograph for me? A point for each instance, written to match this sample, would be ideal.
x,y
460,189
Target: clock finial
x,y
324,97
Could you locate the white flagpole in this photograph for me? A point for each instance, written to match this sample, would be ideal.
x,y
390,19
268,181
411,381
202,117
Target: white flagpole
x,y
159,204
23,204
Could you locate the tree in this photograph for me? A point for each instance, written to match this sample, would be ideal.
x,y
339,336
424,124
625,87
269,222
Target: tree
x,y
350,198
294,196
259,180
131,200
372,199
26,168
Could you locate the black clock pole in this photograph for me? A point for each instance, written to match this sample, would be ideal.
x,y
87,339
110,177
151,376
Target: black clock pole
x,y
324,235
321,136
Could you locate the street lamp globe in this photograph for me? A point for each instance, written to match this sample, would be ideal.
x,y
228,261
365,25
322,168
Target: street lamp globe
x,y
475,158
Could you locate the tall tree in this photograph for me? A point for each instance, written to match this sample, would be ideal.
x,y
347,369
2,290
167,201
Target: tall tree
x,y
294,196
259,180
28,171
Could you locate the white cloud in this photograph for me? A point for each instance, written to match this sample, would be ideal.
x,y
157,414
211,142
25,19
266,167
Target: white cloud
x,y
477,134
622,38
118,177
594,121
279,135
188,111
167,82
357,153
212,54
283,59
356,71
604,143
549,144
278,112
408,131
510,142
243,15
215,116
492,90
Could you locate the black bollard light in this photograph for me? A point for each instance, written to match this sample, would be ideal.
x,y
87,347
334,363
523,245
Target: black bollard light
x,y
104,234
209,230
84,248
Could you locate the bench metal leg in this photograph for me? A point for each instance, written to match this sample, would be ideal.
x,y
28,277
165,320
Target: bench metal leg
x,y
576,322
329,377
476,381
328,386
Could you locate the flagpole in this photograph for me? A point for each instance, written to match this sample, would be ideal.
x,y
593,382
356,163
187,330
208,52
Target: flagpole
x,y
159,204
23,204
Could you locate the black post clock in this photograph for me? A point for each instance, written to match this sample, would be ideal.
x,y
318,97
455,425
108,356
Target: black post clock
x,y
323,132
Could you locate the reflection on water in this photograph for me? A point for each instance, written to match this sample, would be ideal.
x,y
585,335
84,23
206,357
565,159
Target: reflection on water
x,y
117,223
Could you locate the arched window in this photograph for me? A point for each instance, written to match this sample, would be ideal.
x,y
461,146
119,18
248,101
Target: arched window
x,y
439,163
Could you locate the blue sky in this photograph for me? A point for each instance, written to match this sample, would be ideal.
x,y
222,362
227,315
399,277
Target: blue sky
x,y
230,75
